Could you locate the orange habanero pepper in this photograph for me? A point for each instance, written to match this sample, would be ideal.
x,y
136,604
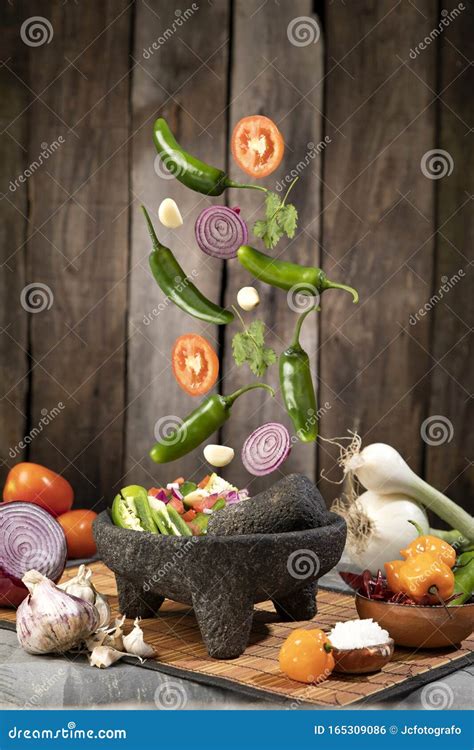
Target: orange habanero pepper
x,y
434,546
392,574
426,575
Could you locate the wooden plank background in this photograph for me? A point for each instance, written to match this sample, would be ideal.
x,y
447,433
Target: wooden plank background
x,y
97,355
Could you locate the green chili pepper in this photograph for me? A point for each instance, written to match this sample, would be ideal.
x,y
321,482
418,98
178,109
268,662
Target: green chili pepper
x,y
188,487
297,388
202,422
181,526
172,280
452,537
280,273
192,172
131,509
463,578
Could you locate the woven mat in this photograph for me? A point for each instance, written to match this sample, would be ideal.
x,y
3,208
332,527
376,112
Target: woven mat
x,y
180,651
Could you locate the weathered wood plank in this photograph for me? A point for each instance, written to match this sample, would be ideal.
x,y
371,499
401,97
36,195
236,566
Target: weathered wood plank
x,y
449,458
78,241
378,224
184,79
14,201
272,76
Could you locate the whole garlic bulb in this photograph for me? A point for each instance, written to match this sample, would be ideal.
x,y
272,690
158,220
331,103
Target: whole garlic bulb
x,y
51,621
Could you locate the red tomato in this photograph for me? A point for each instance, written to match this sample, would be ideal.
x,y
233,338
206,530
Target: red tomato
x,y
205,503
33,483
257,145
177,505
195,364
77,526
189,515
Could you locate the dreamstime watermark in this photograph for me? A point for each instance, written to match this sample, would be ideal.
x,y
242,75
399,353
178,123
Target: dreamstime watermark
x,y
170,696
170,564
43,689
313,150
302,297
47,416
180,18
36,297
436,164
437,696
313,418
180,285
170,430
308,690
303,564
47,149
169,168
36,31
447,283
437,430
302,31
447,16
70,732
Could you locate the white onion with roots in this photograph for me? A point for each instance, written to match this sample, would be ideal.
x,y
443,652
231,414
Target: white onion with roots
x,y
381,469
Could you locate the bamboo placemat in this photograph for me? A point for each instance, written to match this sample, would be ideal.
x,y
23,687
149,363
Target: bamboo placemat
x,y
180,651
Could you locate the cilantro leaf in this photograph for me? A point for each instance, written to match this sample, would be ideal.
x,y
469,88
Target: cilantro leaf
x,y
280,219
248,347
288,220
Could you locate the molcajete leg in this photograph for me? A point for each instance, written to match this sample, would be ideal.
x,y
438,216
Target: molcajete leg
x,y
301,605
134,601
225,618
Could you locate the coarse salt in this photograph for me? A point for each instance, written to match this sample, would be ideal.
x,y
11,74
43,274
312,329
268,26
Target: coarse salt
x,y
357,634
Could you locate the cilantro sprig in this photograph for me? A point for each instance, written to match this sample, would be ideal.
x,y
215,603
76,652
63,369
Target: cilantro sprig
x,y
280,218
248,347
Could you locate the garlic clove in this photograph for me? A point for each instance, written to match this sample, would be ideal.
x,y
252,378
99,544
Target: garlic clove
x,y
169,214
103,608
248,298
104,656
218,455
134,643
97,639
115,637
82,587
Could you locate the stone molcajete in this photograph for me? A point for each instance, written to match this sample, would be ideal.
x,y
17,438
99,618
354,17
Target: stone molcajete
x,y
273,546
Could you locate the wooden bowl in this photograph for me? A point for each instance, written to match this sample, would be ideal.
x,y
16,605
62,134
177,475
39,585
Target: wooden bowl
x,y
363,660
419,626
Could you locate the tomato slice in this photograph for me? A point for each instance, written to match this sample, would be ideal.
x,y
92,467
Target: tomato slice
x,y
257,145
195,364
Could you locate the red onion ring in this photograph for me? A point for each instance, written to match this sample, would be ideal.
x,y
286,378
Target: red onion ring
x,y
220,231
29,538
266,449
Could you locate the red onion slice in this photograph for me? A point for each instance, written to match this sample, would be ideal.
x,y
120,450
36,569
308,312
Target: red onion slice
x,y
220,231
29,538
266,449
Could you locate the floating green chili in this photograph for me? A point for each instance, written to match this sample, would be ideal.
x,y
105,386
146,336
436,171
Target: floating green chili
x,y
199,425
297,387
305,279
192,172
173,281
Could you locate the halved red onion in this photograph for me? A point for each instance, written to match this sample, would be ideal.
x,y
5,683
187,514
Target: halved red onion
x,y
29,538
266,449
220,231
